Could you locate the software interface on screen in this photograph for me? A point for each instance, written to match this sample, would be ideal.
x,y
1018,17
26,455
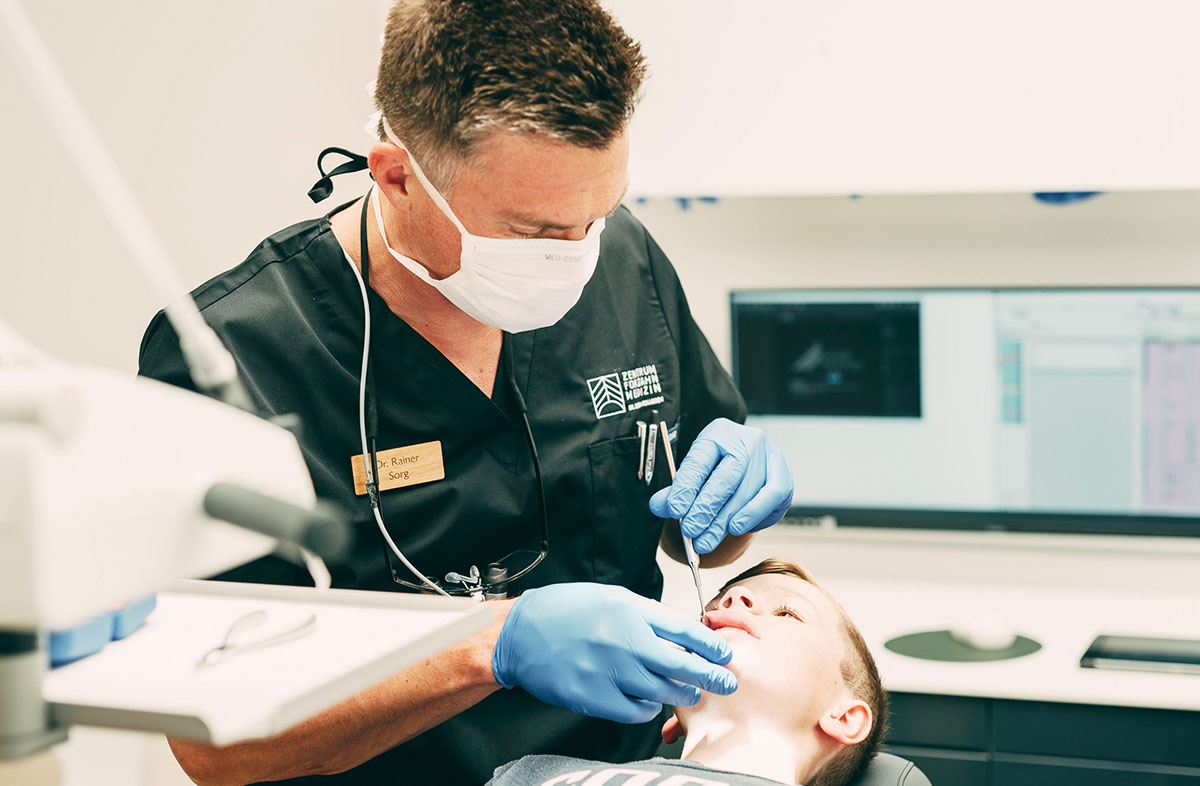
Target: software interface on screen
x,y
1023,400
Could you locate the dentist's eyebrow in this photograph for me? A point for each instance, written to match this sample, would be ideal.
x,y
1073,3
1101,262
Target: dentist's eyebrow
x,y
542,226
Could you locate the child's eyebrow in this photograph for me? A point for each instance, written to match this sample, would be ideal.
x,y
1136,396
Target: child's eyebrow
x,y
806,601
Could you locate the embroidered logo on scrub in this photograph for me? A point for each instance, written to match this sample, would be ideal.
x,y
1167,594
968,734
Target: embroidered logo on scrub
x,y
625,391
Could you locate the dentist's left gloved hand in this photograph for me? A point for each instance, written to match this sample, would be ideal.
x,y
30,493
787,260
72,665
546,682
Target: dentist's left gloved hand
x,y
732,481
604,651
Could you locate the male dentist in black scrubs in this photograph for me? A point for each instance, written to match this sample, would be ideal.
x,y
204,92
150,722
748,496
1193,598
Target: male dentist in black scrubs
x,y
521,324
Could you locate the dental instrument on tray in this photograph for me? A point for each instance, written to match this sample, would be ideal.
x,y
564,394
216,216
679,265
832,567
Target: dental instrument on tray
x,y
236,641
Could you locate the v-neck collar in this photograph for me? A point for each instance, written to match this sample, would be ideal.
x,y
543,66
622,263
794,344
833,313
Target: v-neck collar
x,y
399,344
404,356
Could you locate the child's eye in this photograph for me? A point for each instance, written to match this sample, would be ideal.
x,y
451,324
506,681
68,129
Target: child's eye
x,y
788,611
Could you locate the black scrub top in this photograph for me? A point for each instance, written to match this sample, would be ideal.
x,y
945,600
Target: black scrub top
x,y
292,315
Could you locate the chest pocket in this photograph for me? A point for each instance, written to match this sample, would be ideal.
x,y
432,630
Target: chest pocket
x,y
626,532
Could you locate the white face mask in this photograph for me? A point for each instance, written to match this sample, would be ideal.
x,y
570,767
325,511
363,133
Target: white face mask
x,y
512,284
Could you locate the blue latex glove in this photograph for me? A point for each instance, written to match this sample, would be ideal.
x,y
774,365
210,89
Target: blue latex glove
x,y
603,651
732,481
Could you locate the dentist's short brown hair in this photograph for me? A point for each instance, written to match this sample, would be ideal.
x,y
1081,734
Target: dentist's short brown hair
x,y
452,71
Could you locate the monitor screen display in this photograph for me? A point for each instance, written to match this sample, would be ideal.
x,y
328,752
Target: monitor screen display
x,y
1073,401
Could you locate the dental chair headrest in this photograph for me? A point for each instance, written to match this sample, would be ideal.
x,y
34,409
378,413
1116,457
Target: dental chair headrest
x,y
889,770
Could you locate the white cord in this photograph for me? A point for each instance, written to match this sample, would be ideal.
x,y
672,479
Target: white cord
x,y
362,426
317,569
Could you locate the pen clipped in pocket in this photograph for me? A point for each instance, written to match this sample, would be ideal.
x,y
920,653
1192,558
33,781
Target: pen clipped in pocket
x,y
650,435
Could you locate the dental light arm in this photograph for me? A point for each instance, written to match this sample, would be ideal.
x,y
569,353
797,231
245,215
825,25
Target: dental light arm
x,y
114,485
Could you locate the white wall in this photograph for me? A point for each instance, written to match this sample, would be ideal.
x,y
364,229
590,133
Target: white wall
x,y
214,110
785,97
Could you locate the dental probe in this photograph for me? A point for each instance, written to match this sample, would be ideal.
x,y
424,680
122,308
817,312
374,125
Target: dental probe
x,y
692,560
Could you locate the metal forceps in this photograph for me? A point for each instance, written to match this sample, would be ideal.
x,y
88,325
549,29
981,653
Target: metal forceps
x,y
234,642
692,560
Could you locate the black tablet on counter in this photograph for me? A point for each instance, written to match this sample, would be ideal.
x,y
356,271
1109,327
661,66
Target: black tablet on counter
x,y
1139,653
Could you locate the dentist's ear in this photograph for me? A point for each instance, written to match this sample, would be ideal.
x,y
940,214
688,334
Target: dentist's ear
x,y
391,171
848,722
672,730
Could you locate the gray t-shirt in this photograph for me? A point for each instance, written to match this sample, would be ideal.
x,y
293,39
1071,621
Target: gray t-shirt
x,y
568,771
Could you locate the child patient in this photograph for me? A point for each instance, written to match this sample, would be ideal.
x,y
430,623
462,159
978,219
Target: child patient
x,y
809,708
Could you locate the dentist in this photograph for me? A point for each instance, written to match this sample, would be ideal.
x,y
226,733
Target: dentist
x,y
486,327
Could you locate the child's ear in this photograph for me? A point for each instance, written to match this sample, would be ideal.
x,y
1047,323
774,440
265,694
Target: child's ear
x,y
848,722
672,729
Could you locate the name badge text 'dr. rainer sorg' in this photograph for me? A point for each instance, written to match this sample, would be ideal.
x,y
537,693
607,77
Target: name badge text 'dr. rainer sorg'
x,y
400,467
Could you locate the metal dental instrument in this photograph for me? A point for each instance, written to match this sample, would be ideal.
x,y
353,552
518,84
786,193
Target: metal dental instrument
x,y
641,430
232,646
692,560
651,450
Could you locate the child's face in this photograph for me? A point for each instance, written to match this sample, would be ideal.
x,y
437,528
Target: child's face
x,y
787,645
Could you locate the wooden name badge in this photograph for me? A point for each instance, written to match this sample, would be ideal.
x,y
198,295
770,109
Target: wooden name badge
x,y
400,467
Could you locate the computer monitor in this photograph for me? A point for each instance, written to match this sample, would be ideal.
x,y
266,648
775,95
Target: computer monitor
x,y
1067,405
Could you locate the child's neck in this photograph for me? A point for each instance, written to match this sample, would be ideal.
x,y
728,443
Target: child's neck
x,y
761,749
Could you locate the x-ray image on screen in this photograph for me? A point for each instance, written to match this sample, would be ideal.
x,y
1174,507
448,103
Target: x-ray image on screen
x,y
847,359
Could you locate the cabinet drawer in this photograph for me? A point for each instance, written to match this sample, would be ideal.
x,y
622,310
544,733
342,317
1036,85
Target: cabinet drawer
x,y
1143,736
947,768
1028,773
939,721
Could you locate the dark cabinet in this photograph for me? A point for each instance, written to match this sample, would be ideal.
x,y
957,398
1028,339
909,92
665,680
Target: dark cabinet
x,y
948,767
964,741
1067,773
939,721
1127,734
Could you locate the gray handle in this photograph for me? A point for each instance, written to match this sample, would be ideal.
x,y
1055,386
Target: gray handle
x,y
320,530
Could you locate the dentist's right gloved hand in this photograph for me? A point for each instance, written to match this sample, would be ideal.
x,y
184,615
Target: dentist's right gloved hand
x,y
604,651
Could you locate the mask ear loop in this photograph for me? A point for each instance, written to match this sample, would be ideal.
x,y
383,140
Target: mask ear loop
x,y
324,187
434,194
414,267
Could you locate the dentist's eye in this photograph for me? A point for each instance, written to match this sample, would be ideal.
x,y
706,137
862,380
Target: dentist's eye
x,y
788,611
524,232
